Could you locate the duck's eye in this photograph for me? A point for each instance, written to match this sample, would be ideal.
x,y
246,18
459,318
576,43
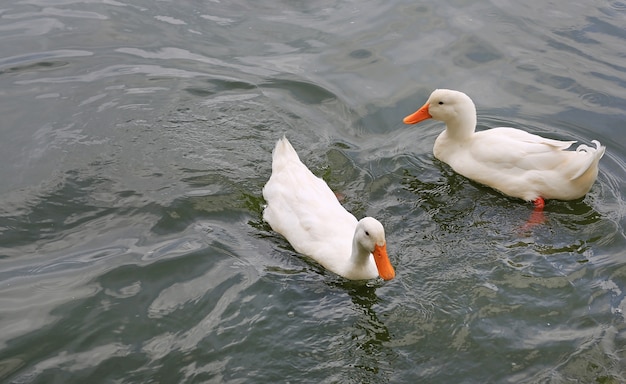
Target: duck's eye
x,y
367,233
441,103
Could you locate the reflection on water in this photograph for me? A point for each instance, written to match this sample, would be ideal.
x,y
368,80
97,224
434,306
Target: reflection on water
x,y
136,138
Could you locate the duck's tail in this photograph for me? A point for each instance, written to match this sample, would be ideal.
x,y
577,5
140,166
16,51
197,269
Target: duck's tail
x,y
592,157
283,154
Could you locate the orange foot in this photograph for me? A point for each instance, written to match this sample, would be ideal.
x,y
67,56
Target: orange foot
x,y
537,217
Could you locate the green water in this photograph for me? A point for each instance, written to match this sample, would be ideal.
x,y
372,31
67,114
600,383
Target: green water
x,y
136,138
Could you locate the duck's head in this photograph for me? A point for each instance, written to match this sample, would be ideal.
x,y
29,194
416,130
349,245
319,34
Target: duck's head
x,y
454,108
370,235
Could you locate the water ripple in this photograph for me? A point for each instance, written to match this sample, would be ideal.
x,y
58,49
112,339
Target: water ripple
x,y
35,60
43,26
618,5
170,53
596,99
173,248
116,71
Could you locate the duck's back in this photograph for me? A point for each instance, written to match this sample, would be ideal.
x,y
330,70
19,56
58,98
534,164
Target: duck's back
x,y
524,165
302,208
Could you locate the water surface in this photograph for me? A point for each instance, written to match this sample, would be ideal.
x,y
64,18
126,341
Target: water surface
x,y
136,138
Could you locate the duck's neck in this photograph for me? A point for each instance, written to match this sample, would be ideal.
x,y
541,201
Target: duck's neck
x,y
462,127
360,256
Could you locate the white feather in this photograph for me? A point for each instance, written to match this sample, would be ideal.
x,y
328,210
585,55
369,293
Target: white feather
x,y
302,208
515,162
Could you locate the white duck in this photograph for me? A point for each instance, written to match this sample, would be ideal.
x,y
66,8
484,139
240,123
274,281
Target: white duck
x,y
513,161
302,208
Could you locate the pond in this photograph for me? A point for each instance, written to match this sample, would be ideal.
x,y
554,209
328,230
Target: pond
x,y
136,138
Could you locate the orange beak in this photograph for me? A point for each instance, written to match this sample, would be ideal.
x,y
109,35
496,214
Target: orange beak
x,y
385,270
421,115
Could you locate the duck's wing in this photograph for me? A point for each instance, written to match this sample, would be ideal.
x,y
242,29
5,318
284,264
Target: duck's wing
x,y
514,150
